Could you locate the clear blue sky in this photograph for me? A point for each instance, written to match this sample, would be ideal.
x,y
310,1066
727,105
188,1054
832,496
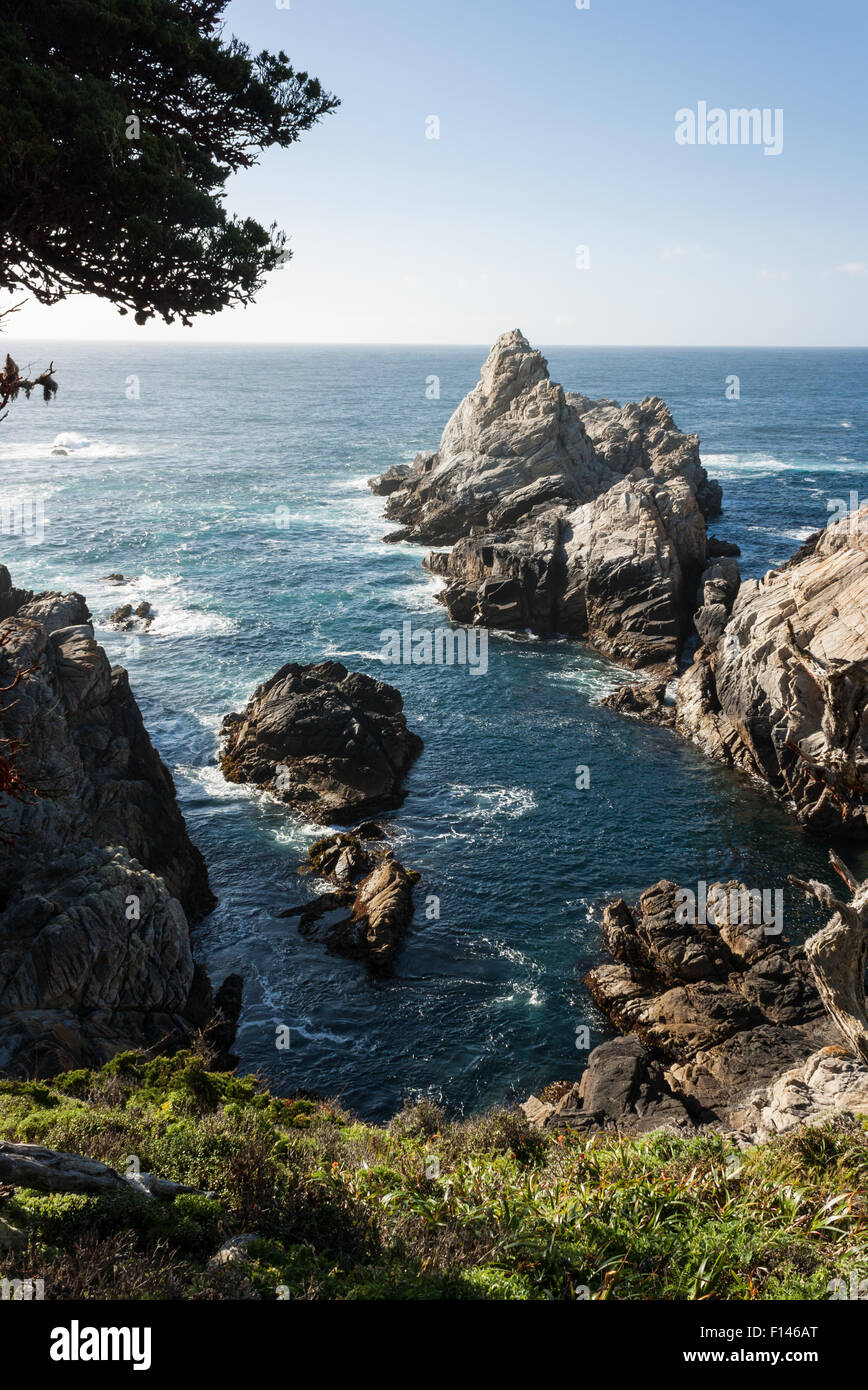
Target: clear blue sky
x,y
557,130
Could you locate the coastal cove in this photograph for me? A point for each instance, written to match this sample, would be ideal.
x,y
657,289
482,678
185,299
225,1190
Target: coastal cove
x,y
230,486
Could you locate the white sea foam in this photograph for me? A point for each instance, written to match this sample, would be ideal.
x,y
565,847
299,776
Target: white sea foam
x,y
594,681
172,614
40,452
798,533
489,802
310,1034
510,953
298,833
790,533
421,589
335,653
212,781
526,635
68,439
171,621
736,465
522,994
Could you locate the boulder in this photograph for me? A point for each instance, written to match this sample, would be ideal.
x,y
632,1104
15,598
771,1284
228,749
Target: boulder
x,y
646,702
623,1089
130,619
830,1084
332,744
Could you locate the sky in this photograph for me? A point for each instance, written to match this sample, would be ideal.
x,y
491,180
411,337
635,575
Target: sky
x,y
556,132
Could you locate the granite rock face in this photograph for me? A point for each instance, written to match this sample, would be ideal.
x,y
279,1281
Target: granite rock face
x,y
564,514
85,748
831,1083
779,689
724,1006
645,436
97,872
332,744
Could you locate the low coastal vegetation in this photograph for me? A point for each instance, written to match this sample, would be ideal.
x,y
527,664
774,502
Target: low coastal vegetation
x,y
329,1207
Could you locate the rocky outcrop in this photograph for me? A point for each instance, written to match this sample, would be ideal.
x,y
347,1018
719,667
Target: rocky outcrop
x,y
332,744
718,590
95,958
84,748
647,702
368,914
129,619
564,514
623,1089
830,1084
97,871
779,689
645,436
728,1026
724,1006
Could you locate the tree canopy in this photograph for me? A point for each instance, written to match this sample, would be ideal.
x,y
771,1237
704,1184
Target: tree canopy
x,y
122,121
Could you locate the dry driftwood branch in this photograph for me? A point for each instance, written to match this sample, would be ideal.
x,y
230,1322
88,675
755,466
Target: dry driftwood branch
x,y
838,955
49,1170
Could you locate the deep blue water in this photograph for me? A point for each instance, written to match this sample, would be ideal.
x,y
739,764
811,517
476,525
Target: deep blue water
x,y
233,491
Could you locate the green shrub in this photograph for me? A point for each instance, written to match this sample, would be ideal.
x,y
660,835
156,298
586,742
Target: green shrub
x,y
485,1208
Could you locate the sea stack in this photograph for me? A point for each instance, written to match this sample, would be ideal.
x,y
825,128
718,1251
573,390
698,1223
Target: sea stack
x,y
564,514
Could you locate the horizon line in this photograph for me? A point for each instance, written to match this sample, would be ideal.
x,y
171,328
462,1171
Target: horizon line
x,y
350,343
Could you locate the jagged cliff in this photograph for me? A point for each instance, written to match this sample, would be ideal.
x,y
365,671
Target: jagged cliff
x,y
780,688
98,876
565,514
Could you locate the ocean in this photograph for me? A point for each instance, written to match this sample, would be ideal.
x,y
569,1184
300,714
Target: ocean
x,y
228,483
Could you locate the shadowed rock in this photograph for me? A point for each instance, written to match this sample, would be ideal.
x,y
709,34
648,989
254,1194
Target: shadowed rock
x,y
331,744
85,749
623,1089
97,870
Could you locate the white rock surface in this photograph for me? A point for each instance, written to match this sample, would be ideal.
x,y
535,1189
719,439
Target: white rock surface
x,y
783,692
